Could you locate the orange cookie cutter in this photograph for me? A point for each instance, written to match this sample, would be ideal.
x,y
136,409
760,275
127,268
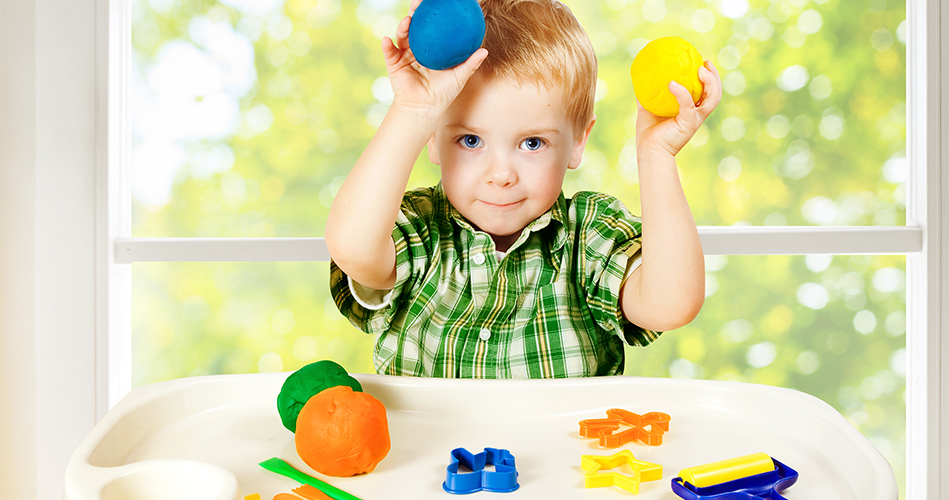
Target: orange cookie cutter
x,y
603,428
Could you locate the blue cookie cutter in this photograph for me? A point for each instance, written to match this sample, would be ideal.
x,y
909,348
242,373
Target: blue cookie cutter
x,y
503,479
768,485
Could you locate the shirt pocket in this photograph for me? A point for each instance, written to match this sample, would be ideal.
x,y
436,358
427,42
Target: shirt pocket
x,y
543,308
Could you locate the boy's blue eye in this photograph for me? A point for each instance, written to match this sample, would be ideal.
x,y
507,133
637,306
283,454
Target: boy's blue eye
x,y
533,143
471,141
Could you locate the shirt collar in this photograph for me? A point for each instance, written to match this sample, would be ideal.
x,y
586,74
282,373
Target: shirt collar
x,y
557,214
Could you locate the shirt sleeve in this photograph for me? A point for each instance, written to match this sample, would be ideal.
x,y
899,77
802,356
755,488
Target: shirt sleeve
x,y
369,298
610,250
375,311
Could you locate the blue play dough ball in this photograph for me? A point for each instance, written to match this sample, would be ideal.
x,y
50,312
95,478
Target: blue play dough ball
x,y
444,33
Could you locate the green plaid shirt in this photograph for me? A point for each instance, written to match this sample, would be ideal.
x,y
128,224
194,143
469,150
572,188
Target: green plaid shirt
x,y
549,308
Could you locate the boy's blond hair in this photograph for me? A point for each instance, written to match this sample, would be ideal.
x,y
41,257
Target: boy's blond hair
x,y
542,41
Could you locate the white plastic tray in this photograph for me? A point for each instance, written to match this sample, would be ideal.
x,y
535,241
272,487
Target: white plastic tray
x,y
202,438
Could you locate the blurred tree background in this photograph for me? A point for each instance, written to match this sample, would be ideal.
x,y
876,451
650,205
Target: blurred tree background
x,y
247,115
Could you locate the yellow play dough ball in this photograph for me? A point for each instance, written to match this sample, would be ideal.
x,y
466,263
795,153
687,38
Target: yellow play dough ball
x,y
659,62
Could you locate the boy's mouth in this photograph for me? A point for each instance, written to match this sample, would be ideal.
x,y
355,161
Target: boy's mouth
x,y
500,205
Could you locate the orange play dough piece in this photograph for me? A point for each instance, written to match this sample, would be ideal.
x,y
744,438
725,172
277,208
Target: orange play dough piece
x,y
342,433
311,493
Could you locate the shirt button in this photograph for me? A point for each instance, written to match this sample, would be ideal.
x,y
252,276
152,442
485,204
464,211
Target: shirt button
x,y
479,258
485,334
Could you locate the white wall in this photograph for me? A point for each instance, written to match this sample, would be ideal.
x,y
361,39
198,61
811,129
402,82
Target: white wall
x,y
47,240
17,428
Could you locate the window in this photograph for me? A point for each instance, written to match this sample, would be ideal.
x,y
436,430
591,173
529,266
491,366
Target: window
x,y
771,149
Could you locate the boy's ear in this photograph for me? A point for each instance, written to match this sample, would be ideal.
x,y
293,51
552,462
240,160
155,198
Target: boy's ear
x,y
432,151
580,146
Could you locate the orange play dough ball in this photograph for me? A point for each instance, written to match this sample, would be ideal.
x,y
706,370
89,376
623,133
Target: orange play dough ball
x,y
342,433
660,62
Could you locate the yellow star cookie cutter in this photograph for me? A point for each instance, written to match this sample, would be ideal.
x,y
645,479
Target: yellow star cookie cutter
x,y
642,471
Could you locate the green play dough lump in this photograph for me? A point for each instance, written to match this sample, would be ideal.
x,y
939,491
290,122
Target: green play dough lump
x,y
306,383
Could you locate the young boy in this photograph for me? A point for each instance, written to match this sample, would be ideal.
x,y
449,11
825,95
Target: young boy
x,y
493,273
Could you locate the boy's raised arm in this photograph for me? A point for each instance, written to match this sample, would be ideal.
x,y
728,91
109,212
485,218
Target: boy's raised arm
x,y
668,289
363,214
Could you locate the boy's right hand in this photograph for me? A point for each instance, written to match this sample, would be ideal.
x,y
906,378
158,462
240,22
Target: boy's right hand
x,y
418,89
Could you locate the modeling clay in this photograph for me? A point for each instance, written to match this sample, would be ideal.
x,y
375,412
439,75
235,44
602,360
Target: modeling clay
x,y
342,433
660,62
444,33
306,383
311,493
253,496
286,496
727,470
642,471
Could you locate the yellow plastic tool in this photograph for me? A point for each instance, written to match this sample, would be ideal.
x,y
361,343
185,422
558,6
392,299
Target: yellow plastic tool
x,y
727,470
592,466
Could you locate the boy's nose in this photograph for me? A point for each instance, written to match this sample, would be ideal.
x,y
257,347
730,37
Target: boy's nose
x,y
500,173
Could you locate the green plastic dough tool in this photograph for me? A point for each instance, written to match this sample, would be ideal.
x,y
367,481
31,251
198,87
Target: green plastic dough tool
x,y
284,469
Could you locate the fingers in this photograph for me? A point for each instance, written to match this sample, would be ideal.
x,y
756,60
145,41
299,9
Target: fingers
x,y
474,61
708,75
402,33
711,67
683,97
464,70
388,50
414,6
396,58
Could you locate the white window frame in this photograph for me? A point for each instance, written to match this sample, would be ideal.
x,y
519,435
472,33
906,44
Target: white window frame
x,y
65,245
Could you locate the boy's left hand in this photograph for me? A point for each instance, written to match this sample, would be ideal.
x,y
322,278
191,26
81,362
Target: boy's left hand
x,y
671,134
